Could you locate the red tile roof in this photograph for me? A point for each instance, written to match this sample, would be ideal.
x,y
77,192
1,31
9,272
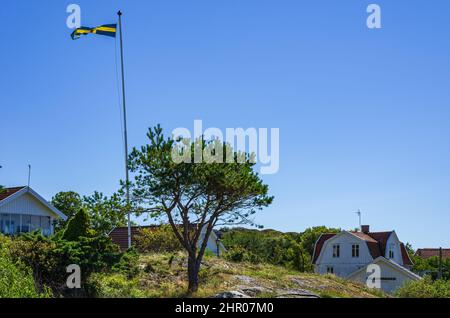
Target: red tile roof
x,y
7,192
376,243
319,244
432,252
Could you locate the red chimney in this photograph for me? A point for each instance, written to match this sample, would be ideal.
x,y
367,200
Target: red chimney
x,y
365,228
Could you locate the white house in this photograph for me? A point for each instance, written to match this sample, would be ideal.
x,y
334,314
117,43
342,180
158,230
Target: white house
x,y
23,210
348,255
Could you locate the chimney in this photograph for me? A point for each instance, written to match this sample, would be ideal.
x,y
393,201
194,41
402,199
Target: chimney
x,y
365,229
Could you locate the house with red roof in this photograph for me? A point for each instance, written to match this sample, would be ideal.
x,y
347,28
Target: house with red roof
x,y
426,253
23,210
378,259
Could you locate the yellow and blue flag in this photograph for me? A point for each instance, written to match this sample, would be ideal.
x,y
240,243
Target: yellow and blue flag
x,y
107,29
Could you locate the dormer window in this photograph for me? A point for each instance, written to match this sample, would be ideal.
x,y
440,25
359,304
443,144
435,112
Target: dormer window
x,y
336,251
355,250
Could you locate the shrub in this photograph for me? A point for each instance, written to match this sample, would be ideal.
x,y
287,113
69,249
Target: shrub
x,y
240,254
266,246
49,257
113,286
159,239
128,264
425,288
78,226
16,280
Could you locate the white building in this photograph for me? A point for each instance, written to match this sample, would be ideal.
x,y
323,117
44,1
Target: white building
x,y
22,210
348,255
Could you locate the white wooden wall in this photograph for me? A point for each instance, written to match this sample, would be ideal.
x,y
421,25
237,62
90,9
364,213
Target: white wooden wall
x,y
345,264
26,204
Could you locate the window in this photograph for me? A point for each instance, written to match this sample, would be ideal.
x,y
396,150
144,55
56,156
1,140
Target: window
x,y
336,250
26,223
5,223
35,223
355,250
15,224
391,251
330,270
46,226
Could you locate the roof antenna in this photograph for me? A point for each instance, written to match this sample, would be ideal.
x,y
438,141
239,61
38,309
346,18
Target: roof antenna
x,y
29,175
359,215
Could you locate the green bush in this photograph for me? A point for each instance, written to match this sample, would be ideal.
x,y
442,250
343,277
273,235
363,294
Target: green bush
x,y
16,280
266,246
240,254
113,286
78,226
159,240
128,264
425,288
48,258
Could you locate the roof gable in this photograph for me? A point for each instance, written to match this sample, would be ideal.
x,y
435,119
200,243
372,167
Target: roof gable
x,y
11,194
389,263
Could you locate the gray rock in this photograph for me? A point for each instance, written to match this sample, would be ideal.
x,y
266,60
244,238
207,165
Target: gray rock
x,y
231,294
244,279
253,290
295,293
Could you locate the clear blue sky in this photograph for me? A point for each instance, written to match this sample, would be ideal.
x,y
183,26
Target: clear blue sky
x,y
363,114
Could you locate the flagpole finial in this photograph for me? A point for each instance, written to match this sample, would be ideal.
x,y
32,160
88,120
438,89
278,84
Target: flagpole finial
x,y
119,13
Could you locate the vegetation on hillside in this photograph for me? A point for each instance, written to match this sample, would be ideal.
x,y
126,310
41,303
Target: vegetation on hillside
x,y
47,258
430,266
291,250
164,275
425,288
194,198
16,279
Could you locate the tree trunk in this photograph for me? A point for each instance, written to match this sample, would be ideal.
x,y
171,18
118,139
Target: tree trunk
x,y
193,269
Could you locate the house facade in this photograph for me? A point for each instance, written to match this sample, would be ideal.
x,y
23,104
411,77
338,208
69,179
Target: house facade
x,y
23,210
348,254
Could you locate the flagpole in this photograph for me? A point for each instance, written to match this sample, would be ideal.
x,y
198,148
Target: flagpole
x,y
125,133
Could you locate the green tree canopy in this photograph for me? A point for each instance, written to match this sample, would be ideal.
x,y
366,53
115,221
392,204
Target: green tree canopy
x,y
69,203
310,236
105,212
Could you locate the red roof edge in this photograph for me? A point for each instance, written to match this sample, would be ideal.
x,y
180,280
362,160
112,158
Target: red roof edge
x,y
405,255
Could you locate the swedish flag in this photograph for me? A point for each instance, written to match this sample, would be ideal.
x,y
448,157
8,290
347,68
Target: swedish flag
x,y
107,29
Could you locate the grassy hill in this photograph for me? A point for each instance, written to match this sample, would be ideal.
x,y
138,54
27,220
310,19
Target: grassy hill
x,y
163,275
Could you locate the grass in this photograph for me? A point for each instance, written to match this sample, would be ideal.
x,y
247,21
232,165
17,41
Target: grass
x,y
164,275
